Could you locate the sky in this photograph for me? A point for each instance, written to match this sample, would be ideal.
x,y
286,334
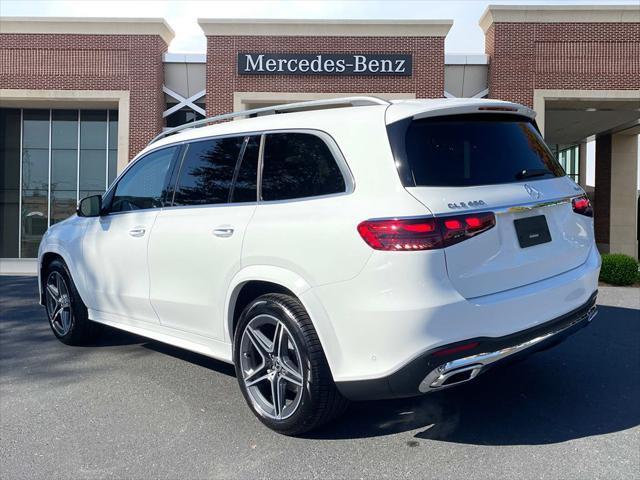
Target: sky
x,y
465,35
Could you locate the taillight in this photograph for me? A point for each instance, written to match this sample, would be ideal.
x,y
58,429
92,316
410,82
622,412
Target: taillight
x,y
462,227
410,234
582,205
401,234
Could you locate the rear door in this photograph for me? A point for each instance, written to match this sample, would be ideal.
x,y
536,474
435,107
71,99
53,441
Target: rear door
x,y
195,244
498,163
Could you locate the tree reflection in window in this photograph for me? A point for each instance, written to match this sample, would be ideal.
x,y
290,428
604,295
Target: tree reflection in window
x,y
207,172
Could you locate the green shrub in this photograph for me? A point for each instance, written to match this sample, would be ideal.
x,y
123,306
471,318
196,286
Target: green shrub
x,y
619,269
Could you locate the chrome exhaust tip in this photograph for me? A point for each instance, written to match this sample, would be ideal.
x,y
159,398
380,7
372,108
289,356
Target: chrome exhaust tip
x,y
455,377
464,369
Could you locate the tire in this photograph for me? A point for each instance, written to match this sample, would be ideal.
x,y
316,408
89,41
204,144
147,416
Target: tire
x,y
296,366
68,316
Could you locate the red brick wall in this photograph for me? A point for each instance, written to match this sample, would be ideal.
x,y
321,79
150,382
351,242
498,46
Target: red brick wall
x,y
92,62
588,56
427,80
602,200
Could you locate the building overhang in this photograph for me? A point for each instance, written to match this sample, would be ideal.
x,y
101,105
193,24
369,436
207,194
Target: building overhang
x,y
88,26
325,28
558,14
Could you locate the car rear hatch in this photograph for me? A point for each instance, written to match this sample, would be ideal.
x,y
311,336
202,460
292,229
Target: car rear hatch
x,y
494,162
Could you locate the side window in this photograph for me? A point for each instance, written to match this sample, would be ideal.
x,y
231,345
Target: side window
x,y
142,187
244,188
207,171
298,165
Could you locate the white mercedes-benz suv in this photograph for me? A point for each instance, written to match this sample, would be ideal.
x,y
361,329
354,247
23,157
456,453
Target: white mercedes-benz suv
x,y
370,250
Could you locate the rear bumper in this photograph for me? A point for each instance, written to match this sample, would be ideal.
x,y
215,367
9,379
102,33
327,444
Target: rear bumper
x,y
434,370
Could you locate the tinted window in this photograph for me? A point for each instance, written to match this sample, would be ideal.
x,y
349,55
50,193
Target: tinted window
x,y
207,171
467,150
244,188
143,185
298,165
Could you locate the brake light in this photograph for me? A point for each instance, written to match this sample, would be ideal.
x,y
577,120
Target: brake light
x,y
429,233
582,206
401,234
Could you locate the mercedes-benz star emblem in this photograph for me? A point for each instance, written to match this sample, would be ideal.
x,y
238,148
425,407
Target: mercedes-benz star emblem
x,y
533,193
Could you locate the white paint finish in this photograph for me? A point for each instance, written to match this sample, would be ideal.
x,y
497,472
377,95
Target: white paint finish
x,y
191,268
373,311
493,261
117,269
183,102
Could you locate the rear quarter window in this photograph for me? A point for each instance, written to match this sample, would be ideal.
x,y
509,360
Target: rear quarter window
x,y
468,150
299,165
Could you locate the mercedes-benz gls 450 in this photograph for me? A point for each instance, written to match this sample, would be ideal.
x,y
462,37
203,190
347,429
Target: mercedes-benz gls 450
x,y
370,250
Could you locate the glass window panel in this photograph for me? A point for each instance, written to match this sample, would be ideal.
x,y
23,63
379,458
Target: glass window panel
x,y
298,165
63,205
143,186
93,129
113,165
9,181
64,164
34,221
207,172
113,129
9,208
64,129
35,169
36,129
92,169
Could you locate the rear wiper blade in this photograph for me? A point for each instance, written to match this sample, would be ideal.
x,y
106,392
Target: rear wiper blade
x,y
533,172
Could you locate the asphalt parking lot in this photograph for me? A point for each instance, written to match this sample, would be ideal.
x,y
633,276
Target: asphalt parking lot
x,y
133,408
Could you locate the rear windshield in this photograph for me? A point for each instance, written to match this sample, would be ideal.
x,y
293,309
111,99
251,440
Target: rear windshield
x,y
466,150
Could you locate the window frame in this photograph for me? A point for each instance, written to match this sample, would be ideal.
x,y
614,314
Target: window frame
x,y
183,155
107,197
339,158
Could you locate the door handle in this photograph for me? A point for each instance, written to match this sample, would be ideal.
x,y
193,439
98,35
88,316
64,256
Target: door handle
x,y
137,232
223,231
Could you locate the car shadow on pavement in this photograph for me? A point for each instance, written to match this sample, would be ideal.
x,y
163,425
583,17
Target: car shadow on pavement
x,y
587,385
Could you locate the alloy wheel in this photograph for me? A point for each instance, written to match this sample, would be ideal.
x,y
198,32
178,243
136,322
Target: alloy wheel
x,y
58,303
271,367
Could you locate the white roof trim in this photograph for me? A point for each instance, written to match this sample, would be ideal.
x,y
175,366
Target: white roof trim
x,y
88,26
558,14
169,57
462,59
325,28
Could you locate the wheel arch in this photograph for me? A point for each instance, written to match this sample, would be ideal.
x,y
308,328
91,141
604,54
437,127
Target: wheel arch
x,y
53,252
254,281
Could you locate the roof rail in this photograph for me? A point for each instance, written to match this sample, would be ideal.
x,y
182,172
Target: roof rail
x,y
313,104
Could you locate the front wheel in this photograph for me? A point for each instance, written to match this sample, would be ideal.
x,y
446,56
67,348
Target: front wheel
x,y
68,316
281,367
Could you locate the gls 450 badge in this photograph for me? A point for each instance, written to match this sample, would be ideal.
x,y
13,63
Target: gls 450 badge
x,y
471,204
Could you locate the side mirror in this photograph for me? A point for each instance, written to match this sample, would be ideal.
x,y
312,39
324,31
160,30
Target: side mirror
x,y
90,206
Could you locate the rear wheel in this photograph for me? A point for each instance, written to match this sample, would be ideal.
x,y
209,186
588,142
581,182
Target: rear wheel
x,y
281,367
68,317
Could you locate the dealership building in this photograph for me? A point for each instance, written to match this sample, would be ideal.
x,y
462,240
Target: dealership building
x,y
79,97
